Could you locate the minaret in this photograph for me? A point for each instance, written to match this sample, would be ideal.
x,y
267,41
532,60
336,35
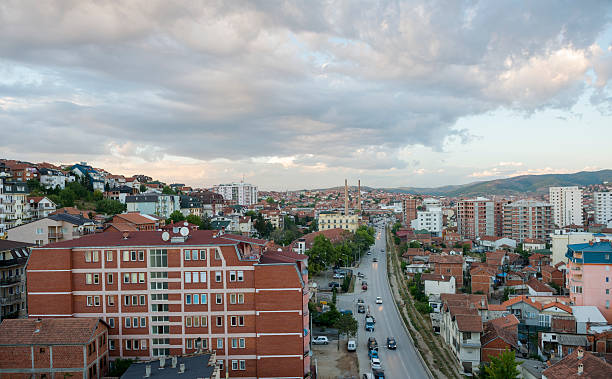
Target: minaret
x,y
346,197
359,195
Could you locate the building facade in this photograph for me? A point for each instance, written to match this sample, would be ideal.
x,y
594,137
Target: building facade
x,y
172,294
430,219
335,220
567,205
526,219
158,205
14,208
410,210
589,277
602,202
240,193
479,217
13,258
54,228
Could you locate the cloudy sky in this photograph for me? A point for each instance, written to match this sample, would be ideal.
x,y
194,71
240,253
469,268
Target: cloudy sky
x,y
301,94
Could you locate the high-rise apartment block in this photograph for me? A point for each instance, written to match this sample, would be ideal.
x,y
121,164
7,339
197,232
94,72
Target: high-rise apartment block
x,y
173,293
240,193
410,210
603,208
480,217
528,219
567,205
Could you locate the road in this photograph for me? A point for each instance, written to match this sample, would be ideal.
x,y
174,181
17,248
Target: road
x,y
403,362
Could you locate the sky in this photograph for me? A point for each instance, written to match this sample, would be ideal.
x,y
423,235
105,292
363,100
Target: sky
x,y
302,94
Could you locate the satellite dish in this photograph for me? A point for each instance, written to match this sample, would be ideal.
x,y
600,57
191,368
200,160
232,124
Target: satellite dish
x,y
165,236
186,223
184,231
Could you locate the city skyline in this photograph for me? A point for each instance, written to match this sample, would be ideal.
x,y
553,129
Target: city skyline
x,y
292,97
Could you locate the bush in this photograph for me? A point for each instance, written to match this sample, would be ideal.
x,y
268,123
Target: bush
x,y
423,307
119,367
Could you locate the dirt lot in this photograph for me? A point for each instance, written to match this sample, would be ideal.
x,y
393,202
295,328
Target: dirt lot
x,y
334,364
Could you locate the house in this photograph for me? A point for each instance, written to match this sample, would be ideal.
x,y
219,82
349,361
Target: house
x,y
40,206
483,278
75,212
587,316
120,193
94,177
158,204
54,347
14,207
558,345
532,244
412,252
13,258
579,364
245,225
438,284
538,288
448,265
191,205
499,335
134,221
551,275
527,310
491,243
52,178
538,260
54,228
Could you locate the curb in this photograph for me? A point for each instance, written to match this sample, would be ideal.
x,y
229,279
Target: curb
x,y
402,319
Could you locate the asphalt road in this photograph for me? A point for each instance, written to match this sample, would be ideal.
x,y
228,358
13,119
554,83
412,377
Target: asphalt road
x,y
403,362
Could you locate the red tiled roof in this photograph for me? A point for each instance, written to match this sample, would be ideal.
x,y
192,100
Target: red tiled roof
x,y
50,331
516,282
497,307
475,299
469,323
504,328
564,307
482,270
135,218
533,241
74,211
446,259
490,238
333,235
539,286
524,299
435,277
121,226
567,368
505,322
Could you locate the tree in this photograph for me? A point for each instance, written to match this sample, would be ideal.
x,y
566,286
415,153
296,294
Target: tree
x,y
35,187
168,191
97,195
193,219
346,324
175,216
119,367
502,367
143,188
466,248
320,254
414,245
206,223
109,206
270,200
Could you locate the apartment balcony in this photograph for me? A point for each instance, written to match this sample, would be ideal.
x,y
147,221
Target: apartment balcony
x,y
57,235
11,280
10,299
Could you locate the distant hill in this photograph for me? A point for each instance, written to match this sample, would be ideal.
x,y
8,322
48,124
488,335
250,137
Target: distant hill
x,y
515,185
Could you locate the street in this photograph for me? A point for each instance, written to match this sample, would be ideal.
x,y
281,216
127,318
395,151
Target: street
x,y
400,363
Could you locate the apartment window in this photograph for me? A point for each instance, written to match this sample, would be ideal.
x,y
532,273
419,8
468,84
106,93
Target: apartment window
x,y
111,322
240,275
607,304
126,277
219,321
142,299
89,301
143,322
96,278
241,343
196,277
196,322
234,365
204,321
218,276
111,344
111,300
126,300
128,322
203,276
189,343
202,255
143,344
141,255
187,277
220,362
196,299
219,343
219,298
128,344
187,255
240,298
188,321
607,291
133,255
187,299
232,276
135,322
158,258
233,321
242,364
607,279
126,256
88,256
109,256
88,278
109,278
141,277
233,298
134,277
466,336
240,320
95,255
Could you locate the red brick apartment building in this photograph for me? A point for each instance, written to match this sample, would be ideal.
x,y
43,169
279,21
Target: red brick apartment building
x,y
528,219
53,348
448,265
479,217
162,294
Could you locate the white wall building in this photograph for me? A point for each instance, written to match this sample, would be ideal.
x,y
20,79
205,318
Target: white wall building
x,y
437,286
50,178
241,193
430,219
603,208
567,205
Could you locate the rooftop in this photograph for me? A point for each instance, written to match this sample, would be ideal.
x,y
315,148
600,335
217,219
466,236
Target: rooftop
x,y
567,368
196,366
49,331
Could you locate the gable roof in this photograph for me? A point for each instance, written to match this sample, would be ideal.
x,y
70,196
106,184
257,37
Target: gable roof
x,y
567,368
523,299
469,323
48,331
564,307
134,218
446,259
538,285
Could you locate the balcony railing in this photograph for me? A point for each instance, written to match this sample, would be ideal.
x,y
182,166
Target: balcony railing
x,y
10,280
10,299
55,235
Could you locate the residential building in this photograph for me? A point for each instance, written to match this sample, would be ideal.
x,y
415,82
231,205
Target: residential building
x,y
589,275
492,243
95,178
538,260
430,219
602,202
191,205
158,204
120,193
410,206
499,335
561,239
532,244
538,288
199,365
51,178
335,220
54,348
527,219
13,258
438,284
479,217
238,193
133,221
40,207
14,208
448,265
54,228
276,218
167,293
579,364
22,171
551,274
567,205
483,278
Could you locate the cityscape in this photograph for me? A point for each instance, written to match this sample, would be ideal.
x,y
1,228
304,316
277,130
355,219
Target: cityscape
x,y
305,190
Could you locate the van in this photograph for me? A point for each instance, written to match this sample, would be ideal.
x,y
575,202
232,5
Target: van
x,y
351,345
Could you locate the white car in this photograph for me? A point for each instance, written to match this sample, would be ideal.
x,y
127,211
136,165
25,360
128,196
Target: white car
x,y
375,363
378,300
320,340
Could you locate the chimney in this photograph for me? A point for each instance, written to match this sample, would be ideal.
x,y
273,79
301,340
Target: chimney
x,y
580,353
174,359
580,369
181,368
345,197
359,195
147,371
162,362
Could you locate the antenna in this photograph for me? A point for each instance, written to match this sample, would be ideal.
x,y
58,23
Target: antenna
x,y
165,236
184,231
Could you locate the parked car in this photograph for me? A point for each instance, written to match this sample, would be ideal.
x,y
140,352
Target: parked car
x,y
378,374
360,275
360,301
333,284
374,259
378,300
369,253
361,308
320,340
375,363
346,311
372,344
339,276
391,344
351,345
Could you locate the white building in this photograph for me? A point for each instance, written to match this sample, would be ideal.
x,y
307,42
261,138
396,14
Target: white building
x,y
438,284
241,193
603,208
567,205
430,219
50,178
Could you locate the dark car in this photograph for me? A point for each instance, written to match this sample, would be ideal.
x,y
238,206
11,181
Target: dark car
x,y
391,344
372,344
378,373
360,301
360,275
364,286
361,308
333,284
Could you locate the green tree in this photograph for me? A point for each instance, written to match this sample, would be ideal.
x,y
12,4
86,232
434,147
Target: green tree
x,y
206,223
193,219
35,187
143,188
466,248
270,200
414,245
119,367
168,191
97,195
346,325
175,216
109,206
502,367
320,254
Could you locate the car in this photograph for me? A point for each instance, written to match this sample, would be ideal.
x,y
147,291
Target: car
x,y
378,374
351,345
333,284
320,340
339,275
346,312
369,253
364,286
361,308
360,275
391,344
375,363
373,354
360,301
378,300
372,343
374,259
